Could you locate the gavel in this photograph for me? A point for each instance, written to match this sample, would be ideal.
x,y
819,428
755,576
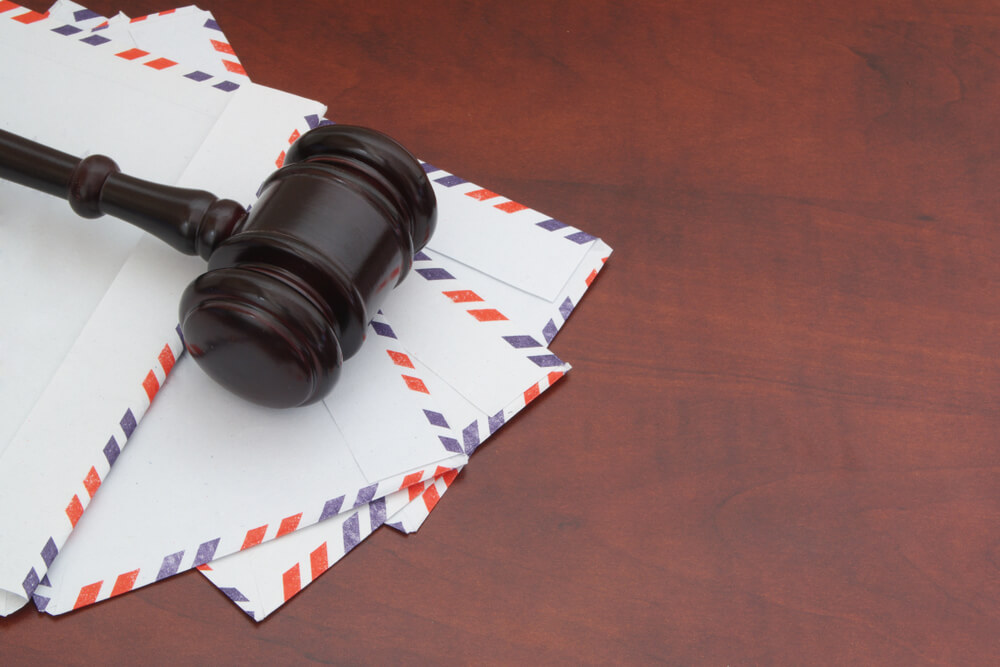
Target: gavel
x,y
292,284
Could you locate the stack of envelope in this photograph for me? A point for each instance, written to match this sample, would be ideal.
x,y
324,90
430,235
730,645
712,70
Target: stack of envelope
x,y
89,338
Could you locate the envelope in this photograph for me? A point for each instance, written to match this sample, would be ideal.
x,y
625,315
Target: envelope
x,y
186,35
544,316
536,293
63,266
158,266
391,422
551,297
256,583
262,579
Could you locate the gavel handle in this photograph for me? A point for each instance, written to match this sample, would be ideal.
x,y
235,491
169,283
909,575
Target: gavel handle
x,y
191,221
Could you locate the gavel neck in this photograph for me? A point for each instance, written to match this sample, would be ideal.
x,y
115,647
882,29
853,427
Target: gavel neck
x,y
194,222
191,221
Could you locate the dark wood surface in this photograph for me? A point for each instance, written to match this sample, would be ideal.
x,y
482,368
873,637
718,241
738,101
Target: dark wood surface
x,y
779,442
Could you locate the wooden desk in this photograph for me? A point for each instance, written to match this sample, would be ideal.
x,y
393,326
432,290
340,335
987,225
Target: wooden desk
x,y
779,443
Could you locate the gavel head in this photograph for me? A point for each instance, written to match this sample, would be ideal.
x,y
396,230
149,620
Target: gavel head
x,y
288,296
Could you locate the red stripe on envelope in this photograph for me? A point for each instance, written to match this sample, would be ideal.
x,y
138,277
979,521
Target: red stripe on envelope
x,y
531,394
415,384
415,490
291,582
281,159
553,376
74,510
254,537
487,314
295,135
449,477
222,47
288,524
31,17
160,63
400,359
411,479
7,5
318,560
88,594
481,195
124,583
234,67
151,385
92,481
165,12
590,278
431,498
132,54
166,359
463,296
510,207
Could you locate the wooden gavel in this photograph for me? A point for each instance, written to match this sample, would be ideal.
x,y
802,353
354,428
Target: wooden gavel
x,y
291,285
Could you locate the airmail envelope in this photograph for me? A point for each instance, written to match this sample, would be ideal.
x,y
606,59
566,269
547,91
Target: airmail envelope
x,y
68,406
550,313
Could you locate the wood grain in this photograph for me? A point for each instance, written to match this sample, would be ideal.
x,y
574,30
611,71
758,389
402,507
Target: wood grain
x,y
779,440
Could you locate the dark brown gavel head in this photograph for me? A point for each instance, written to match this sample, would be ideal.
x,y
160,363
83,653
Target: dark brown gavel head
x,y
288,295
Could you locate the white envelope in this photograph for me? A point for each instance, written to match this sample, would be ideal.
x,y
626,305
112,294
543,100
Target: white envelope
x,y
263,578
154,123
186,34
256,583
548,304
255,468
538,319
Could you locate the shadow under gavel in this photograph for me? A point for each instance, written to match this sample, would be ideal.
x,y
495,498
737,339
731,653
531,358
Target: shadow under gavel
x,y
291,285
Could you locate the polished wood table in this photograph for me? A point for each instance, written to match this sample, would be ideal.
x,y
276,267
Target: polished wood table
x,y
779,442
